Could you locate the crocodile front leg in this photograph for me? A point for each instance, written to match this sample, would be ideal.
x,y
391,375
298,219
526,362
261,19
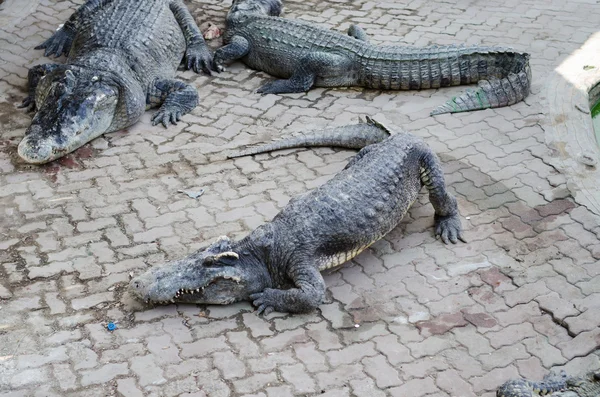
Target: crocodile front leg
x,y
308,294
447,219
60,42
175,98
310,66
197,54
358,33
237,48
33,78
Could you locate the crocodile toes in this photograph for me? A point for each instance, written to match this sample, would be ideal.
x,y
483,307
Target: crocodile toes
x,y
449,229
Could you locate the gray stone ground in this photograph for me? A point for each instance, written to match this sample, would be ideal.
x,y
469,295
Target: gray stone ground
x,y
521,298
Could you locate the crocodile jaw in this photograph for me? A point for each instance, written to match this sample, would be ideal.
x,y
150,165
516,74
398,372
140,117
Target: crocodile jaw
x,y
67,121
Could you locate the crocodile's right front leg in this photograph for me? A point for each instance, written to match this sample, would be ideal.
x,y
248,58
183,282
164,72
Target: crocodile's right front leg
x,y
175,98
309,67
308,294
237,48
60,42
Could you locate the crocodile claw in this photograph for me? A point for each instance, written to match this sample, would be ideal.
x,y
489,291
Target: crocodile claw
x,y
28,104
166,116
198,58
262,301
59,43
449,229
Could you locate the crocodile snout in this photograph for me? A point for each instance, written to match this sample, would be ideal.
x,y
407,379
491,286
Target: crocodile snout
x,y
35,153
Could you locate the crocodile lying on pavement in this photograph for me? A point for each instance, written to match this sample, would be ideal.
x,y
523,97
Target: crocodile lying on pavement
x,y
122,59
554,385
306,55
277,265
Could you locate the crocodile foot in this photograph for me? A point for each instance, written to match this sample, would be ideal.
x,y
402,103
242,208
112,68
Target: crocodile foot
x,y
166,115
265,301
199,58
449,229
60,42
28,104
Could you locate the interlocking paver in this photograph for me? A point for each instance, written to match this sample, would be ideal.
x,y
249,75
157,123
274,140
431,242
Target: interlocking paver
x,y
433,320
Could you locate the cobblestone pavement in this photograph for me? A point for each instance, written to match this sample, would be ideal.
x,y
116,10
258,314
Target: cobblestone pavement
x,y
523,297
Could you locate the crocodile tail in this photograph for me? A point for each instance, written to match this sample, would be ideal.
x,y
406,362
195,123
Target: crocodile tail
x,y
493,92
354,136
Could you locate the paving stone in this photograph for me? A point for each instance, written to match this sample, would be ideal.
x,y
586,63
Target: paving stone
x,y
503,356
385,375
202,347
441,316
415,387
254,383
229,365
298,377
148,372
351,354
494,378
313,360
452,382
365,388
103,374
127,387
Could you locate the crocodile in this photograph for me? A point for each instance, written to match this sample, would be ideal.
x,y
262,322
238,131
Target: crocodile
x,y
277,266
556,385
122,56
303,55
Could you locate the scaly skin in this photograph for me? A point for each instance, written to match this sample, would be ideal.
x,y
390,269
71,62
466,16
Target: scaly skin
x,y
350,136
277,265
553,385
305,55
122,59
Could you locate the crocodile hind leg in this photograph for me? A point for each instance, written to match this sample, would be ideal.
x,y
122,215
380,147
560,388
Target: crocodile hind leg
x,y
309,67
358,33
60,42
33,78
197,54
447,220
308,294
237,48
175,99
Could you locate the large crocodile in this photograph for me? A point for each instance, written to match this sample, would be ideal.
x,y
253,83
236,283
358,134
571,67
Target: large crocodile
x,y
122,59
277,265
306,55
555,385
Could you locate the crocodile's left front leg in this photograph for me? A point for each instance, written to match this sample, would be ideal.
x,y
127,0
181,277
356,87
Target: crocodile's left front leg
x,y
175,99
308,294
197,54
309,67
447,218
237,48
33,78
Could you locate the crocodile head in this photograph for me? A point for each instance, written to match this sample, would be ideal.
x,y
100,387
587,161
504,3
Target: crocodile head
x,y
215,275
76,107
261,7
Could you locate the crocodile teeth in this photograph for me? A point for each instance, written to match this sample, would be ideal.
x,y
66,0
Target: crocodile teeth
x,y
198,290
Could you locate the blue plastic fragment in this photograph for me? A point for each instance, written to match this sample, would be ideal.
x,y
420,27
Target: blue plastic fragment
x,y
111,326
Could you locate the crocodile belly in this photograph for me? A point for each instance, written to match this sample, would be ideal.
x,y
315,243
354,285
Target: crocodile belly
x,y
335,260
